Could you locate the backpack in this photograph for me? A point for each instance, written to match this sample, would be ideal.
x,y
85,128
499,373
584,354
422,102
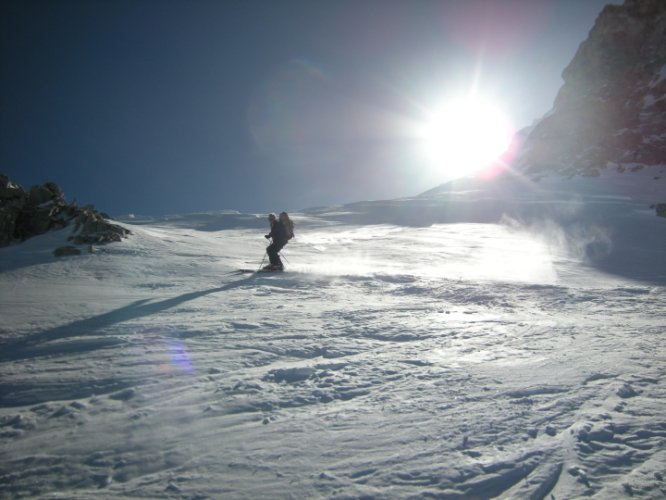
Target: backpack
x,y
288,224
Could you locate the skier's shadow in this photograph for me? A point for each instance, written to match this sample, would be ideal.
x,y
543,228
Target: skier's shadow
x,y
30,346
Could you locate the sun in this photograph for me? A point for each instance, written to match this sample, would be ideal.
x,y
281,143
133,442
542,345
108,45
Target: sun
x,y
464,136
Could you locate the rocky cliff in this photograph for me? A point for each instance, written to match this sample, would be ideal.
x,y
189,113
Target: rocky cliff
x,y
24,214
610,114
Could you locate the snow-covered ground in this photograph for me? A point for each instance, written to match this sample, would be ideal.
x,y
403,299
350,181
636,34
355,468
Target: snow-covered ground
x,y
435,347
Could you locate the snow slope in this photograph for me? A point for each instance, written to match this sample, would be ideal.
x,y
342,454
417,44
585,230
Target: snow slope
x,y
453,349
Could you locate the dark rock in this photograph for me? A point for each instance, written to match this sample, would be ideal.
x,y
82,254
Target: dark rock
x,y
46,193
42,209
65,251
9,190
91,227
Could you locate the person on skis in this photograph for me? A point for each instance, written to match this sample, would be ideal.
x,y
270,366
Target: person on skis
x,y
280,236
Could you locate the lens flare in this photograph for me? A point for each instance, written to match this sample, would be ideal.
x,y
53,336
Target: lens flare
x,y
180,359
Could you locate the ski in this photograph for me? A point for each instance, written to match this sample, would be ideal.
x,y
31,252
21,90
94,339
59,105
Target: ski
x,y
255,271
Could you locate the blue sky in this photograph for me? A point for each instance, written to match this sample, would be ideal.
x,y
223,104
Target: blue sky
x,y
163,106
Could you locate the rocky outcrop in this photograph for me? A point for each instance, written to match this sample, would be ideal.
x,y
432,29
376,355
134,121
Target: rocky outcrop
x,y
611,111
12,201
43,208
91,227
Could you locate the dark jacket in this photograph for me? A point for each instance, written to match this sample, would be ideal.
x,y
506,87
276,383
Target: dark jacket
x,y
279,234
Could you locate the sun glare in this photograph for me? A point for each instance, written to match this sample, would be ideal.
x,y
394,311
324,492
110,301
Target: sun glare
x,y
465,136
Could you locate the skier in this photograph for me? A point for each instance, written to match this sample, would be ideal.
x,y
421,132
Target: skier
x,y
280,236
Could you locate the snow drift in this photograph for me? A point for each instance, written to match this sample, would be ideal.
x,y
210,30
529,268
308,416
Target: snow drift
x,y
451,359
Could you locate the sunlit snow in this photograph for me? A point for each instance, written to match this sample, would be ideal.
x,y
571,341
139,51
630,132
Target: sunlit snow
x,y
520,357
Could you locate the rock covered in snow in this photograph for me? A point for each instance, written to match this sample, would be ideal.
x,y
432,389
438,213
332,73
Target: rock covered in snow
x,y
12,201
610,112
90,226
43,208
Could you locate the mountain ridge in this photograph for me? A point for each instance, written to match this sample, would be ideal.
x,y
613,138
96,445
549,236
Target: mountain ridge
x,y
610,112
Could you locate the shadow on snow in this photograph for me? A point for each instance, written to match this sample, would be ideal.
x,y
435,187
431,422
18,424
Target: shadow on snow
x,y
33,345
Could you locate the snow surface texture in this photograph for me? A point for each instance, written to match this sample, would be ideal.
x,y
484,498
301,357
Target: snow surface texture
x,y
455,360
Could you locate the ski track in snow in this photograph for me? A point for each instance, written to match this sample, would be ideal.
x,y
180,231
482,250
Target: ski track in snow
x,y
455,361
